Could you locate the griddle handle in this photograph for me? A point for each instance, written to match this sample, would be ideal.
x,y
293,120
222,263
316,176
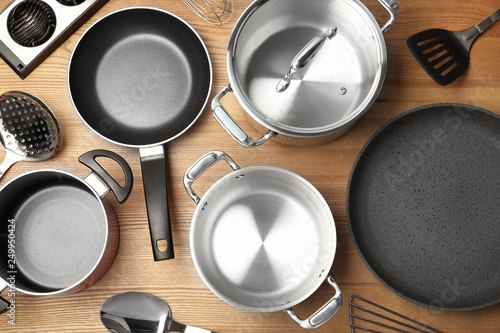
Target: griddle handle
x,y
154,174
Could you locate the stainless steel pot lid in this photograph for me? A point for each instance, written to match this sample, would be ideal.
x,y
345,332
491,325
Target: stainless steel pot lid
x,y
263,239
332,90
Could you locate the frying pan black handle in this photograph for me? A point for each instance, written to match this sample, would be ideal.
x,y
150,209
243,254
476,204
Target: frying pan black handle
x,y
120,192
154,174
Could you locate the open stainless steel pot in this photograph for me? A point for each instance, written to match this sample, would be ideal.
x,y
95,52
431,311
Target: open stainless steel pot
x,y
263,239
58,234
274,39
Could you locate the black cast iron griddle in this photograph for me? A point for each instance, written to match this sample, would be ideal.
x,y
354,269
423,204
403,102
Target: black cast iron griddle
x,y
423,206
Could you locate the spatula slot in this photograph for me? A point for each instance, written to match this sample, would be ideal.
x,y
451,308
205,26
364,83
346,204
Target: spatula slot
x,y
428,40
433,48
439,62
439,53
449,69
443,62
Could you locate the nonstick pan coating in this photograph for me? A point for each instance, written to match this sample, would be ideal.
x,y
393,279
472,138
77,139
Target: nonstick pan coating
x,y
423,206
60,228
140,77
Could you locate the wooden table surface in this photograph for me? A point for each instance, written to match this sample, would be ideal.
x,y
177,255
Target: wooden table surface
x,y
327,167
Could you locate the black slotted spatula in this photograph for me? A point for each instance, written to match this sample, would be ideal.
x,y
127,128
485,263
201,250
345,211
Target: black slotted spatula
x,y
444,54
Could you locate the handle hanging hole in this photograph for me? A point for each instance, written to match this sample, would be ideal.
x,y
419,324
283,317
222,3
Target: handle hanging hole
x,y
161,245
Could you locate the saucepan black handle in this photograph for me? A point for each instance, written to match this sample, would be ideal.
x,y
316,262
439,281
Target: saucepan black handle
x,y
121,192
154,175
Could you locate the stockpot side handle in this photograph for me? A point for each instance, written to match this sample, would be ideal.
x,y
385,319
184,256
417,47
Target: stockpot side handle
x,y
392,7
325,313
231,127
121,192
201,166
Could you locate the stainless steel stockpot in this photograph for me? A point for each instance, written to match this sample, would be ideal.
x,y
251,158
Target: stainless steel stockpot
x,y
263,239
327,94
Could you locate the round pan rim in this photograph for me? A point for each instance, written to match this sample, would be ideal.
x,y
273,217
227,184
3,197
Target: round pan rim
x,y
348,214
167,139
106,240
294,131
319,196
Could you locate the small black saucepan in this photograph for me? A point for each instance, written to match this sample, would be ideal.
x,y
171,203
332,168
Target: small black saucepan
x,y
58,234
140,77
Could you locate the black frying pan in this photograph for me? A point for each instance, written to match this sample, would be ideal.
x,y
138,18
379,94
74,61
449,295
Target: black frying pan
x,y
423,206
141,77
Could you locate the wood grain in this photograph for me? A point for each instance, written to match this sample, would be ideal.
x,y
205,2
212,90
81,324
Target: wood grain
x,y
327,167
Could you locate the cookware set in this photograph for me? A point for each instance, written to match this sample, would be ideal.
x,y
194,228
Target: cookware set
x,y
304,72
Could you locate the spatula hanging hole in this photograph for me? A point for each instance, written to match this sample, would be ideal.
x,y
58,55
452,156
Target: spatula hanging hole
x,y
427,41
161,245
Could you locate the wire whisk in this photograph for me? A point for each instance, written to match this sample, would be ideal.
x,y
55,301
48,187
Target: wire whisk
x,y
213,11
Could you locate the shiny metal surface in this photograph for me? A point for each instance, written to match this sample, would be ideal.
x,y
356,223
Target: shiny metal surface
x,y
29,130
231,127
323,314
304,56
135,312
263,238
272,35
332,92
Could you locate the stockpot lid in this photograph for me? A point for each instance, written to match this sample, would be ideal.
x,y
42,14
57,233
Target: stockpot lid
x,y
328,94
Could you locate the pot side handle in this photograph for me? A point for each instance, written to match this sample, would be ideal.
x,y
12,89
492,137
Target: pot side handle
x,y
325,313
392,7
201,166
231,127
121,192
